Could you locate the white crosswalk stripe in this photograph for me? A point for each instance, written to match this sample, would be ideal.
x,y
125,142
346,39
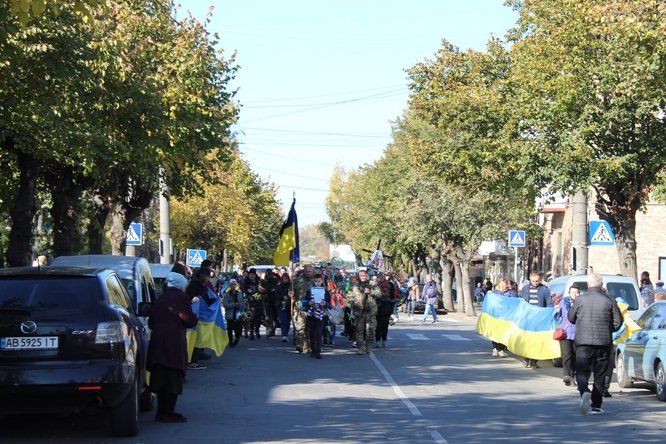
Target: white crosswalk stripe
x,y
456,338
450,337
417,337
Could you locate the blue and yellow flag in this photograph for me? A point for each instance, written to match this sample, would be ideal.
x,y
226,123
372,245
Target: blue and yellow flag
x,y
211,331
525,329
288,249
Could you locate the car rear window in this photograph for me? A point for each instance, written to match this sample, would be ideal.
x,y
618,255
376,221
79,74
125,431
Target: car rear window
x,y
623,290
49,294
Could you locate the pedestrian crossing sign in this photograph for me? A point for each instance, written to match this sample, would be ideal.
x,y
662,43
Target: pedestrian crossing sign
x,y
516,238
195,257
601,234
134,234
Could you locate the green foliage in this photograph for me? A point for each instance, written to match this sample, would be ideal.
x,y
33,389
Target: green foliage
x,y
591,100
237,212
114,101
313,242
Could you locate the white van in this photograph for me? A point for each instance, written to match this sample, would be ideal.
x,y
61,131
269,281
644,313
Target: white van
x,y
134,272
616,285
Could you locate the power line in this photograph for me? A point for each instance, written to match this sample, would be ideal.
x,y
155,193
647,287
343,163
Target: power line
x,y
368,135
393,93
315,108
267,153
318,179
342,144
285,99
303,188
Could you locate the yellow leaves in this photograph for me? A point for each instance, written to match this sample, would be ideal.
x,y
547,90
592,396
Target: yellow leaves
x,y
25,10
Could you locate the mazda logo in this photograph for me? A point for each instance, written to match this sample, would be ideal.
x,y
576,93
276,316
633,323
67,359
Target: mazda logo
x,y
28,327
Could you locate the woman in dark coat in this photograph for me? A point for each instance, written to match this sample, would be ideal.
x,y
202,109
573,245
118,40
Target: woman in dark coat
x,y
167,351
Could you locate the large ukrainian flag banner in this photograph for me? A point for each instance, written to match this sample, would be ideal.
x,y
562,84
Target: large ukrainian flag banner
x,y
288,246
211,331
628,327
525,329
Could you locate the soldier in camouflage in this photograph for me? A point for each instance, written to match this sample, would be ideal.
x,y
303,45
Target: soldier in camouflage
x,y
364,306
301,287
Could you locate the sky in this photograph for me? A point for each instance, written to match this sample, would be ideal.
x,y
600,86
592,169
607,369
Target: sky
x,y
320,82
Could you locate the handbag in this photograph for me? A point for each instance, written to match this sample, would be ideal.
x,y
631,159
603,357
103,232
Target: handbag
x,y
559,334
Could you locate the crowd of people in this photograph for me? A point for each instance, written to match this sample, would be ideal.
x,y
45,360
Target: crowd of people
x,y
316,301
312,301
586,328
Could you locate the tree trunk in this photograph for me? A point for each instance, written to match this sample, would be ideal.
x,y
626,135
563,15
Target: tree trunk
x,y
22,211
118,230
446,283
121,218
66,196
458,272
465,289
97,224
619,211
625,244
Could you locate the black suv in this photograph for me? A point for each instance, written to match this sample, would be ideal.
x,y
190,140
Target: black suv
x,y
70,341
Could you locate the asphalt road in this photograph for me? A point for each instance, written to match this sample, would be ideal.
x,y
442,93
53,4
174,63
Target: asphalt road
x,y
433,384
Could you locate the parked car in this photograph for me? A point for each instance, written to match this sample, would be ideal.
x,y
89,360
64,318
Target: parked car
x,y
642,357
617,286
134,272
71,341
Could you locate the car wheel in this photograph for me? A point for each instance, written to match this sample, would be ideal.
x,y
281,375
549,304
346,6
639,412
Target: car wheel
x,y
557,362
660,381
622,375
125,416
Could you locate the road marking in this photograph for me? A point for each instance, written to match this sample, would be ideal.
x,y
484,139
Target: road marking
x,y
439,439
417,337
396,388
436,436
456,338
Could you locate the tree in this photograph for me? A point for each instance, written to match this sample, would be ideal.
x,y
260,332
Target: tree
x,y
591,103
23,11
139,97
459,134
237,213
313,242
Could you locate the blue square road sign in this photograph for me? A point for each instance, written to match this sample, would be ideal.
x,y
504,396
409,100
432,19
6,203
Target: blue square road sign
x,y
195,257
516,238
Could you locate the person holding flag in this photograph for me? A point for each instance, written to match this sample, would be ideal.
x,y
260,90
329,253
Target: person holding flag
x,y
288,253
288,250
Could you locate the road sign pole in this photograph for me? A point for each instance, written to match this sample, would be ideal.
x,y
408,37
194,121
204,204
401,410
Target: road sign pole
x,y
515,265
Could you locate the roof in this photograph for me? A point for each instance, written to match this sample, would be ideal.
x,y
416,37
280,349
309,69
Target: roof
x,y
50,271
123,265
160,270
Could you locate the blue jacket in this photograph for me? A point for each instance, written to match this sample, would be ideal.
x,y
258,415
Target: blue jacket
x,y
543,295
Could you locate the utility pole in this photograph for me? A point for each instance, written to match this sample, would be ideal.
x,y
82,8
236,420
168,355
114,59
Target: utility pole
x,y
579,256
165,248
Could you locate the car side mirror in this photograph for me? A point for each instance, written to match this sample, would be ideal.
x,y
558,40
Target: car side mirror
x,y
144,308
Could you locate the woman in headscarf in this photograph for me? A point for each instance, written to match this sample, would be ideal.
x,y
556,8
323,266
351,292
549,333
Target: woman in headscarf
x,y
167,351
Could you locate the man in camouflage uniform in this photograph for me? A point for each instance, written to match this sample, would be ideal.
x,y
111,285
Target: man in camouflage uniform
x,y
301,286
365,296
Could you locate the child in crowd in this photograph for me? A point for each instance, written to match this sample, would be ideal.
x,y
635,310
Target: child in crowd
x,y
317,300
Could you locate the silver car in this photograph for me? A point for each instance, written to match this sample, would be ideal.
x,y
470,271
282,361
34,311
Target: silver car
x,y
641,357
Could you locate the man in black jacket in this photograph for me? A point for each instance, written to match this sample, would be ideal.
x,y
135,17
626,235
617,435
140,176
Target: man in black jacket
x,y
596,317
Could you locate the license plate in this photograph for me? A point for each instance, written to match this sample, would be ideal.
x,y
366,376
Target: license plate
x,y
33,343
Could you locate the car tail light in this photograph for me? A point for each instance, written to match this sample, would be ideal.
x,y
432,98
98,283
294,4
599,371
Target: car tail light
x,y
111,332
